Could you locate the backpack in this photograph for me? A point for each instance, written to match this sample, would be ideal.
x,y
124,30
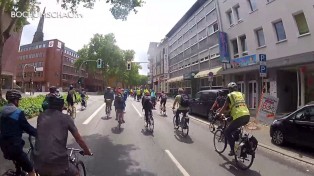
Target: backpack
x,y
164,97
147,104
185,101
45,104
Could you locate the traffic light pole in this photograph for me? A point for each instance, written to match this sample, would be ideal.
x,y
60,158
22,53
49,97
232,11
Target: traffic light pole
x,y
80,70
24,76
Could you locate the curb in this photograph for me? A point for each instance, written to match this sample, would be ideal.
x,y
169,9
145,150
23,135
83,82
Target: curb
x,y
266,146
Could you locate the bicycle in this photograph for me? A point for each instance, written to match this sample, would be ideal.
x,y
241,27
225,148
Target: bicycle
x,y
72,111
108,107
244,145
120,119
213,121
149,124
183,124
76,162
83,104
18,170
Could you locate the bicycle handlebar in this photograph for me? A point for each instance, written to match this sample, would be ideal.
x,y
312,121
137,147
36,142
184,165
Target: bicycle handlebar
x,y
78,151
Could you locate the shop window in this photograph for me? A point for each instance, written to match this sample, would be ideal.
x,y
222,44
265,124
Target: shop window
x,y
266,87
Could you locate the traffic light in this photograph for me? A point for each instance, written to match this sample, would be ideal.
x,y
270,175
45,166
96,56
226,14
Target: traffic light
x,y
99,63
128,65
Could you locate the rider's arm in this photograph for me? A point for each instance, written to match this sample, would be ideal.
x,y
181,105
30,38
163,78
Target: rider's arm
x,y
214,105
77,136
29,129
175,102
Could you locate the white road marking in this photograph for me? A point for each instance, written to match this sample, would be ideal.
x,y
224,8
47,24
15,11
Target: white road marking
x,y
184,172
137,110
93,115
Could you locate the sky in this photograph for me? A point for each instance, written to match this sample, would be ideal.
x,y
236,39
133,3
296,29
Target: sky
x,y
152,22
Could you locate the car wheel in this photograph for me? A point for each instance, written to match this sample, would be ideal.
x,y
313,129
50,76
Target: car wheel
x,y
278,137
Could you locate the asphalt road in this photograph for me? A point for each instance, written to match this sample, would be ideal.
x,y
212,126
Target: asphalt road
x,y
134,151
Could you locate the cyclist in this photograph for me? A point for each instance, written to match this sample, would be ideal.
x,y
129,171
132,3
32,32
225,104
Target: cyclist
x,y
109,97
50,152
239,112
119,105
83,96
147,106
12,125
52,90
219,102
183,100
138,93
70,100
153,97
163,100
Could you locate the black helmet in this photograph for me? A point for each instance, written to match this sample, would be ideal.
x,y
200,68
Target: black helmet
x,y
55,101
13,95
52,89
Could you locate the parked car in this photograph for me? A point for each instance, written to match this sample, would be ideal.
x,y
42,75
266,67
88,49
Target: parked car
x,y
296,127
204,100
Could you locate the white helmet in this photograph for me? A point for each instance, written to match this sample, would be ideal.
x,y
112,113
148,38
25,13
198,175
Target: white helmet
x,y
232,85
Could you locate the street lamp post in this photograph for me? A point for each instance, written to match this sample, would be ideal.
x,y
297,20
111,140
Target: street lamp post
x,y
24,76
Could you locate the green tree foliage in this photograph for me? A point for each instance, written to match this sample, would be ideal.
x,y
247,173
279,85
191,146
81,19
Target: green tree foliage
x,y
115,59
120,9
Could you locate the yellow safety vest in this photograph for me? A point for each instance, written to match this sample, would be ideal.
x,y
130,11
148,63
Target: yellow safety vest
x,y
138,92
237,105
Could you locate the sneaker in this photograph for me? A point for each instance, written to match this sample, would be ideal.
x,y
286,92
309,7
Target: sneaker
x,y
231,153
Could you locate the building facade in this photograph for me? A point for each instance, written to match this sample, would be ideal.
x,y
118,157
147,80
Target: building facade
x,y
151,54
193,46
281,29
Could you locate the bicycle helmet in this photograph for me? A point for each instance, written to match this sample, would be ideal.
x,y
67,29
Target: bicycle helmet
x,y
71,87
12,95
232,86
180,90
55,101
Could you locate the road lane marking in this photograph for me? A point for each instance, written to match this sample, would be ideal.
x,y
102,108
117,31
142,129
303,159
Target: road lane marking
x,y
93,115
183,171
137,110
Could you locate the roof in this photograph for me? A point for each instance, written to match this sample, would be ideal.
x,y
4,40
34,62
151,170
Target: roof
x,y
186,16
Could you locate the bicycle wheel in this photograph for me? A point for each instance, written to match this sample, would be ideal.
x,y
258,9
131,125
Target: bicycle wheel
x,y
81,168
219,138
151,124
184,127
74,112
242,156
174,123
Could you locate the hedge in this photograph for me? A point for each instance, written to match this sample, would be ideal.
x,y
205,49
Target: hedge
x,y
32,106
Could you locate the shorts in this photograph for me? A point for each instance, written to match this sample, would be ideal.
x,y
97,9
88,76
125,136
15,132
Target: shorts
x,y
17,155
71,171
163,102
71,103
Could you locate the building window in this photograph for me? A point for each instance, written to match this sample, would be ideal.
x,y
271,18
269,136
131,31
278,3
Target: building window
x,y
229,15
280,31
235,47
301,23
237,14
213,28
252,4
243,45
260,37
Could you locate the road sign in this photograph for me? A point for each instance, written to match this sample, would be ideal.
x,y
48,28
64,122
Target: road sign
x,y
262,57
263,71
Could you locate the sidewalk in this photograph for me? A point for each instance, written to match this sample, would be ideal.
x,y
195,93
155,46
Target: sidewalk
x,y
264,141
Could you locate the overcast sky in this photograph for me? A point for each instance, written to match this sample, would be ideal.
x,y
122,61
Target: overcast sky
x,y
153,21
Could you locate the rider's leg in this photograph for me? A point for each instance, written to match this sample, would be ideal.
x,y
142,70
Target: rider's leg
x,y
146,115
232,127
177,117
23,161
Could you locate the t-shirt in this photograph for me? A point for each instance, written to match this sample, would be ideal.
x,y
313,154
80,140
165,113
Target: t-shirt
x,y
178,99
50,153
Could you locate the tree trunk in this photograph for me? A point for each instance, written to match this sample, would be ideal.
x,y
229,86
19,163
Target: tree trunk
x,y
1,51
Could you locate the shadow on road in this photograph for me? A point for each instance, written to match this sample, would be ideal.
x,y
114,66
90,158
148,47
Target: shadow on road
x,y
180,138
110,159
106,118
298,149
230,166
116,130
146,132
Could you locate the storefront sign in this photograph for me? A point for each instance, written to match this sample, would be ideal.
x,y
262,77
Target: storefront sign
x,y
244,61
223,47
268,107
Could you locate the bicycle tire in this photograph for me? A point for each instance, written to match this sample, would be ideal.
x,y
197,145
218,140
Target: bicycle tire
x,y
151,124
174,123
237,161
186,128
74,112
224,138
78,164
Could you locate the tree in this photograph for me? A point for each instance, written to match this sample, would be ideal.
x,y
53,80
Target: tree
x,y
120,10
115,59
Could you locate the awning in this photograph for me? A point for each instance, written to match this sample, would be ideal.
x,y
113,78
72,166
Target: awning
x,y
204,73
175,79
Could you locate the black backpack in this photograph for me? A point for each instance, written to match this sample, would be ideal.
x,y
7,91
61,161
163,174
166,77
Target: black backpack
x,y
185,101
147,104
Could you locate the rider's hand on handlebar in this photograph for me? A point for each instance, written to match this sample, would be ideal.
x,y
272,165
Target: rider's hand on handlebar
x,y
89,152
